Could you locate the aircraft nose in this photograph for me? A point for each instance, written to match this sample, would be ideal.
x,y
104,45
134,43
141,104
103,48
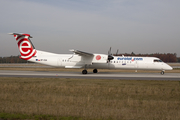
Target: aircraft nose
x,y
170,68
167,67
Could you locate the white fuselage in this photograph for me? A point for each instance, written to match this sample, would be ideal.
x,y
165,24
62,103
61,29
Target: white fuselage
x,y
81,59
119,62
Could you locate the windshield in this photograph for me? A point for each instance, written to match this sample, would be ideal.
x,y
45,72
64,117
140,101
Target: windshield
x,y
157,60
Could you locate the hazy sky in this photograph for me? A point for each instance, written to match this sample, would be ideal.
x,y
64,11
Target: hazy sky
x,y
139,26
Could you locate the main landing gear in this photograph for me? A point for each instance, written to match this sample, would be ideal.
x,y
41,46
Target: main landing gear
x,y
162,72
95,71
85,71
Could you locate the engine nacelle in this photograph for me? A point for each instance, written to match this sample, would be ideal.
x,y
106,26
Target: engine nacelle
x,y
100,58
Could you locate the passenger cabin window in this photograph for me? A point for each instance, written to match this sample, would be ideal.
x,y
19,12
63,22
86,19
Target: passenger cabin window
x,y
156,60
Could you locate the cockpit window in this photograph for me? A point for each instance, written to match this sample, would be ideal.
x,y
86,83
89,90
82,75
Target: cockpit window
x,y
157,60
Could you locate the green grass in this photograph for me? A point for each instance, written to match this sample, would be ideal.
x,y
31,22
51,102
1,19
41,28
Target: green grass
x,y
69,99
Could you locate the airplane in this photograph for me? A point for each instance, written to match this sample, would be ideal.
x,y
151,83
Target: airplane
x,y
80,59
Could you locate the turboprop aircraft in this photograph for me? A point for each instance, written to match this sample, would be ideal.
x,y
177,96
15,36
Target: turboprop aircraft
x,y
80,59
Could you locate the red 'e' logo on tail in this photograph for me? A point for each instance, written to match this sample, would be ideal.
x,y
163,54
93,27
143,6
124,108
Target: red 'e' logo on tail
x,y
25,47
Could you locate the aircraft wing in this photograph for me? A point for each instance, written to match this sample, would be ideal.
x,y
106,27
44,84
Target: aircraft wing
x,y
82,53
88,58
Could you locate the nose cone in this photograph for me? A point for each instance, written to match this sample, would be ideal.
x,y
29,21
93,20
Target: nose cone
x,y
167,67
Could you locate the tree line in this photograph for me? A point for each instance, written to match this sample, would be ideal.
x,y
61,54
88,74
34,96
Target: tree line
x,y
12,59
166,57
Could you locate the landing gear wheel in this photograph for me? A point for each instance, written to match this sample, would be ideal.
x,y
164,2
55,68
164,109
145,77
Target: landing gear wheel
x,y
162,72
84,72
95,71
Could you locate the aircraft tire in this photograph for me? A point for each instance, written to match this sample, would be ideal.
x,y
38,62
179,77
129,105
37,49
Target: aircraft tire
x,y
95,71
84,72
162,72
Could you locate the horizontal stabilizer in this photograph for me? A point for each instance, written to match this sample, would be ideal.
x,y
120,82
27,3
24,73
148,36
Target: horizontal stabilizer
x,y
20,34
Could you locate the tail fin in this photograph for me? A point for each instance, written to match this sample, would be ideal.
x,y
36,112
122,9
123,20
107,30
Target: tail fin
x,y
25,45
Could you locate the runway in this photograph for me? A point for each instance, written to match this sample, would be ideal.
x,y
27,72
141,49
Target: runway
x,y
100,75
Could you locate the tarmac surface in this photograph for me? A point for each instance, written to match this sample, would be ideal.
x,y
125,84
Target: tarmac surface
x,y
100,75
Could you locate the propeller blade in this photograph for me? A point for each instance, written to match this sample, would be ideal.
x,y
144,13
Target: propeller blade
x,y
117,52
109,52
110,56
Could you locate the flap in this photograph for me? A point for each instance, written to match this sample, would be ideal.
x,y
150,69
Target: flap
x,y
73,66
82,53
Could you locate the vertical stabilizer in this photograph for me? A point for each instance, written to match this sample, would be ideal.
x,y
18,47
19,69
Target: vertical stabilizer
x,y
25,45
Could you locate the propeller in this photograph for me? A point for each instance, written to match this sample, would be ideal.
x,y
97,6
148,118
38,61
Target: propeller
x,y
110,57
117,52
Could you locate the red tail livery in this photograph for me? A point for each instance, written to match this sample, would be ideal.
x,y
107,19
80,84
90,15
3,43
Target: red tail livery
x,y
25,46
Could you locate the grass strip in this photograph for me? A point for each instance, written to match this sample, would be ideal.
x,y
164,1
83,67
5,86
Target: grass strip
x,y
62,98
8,116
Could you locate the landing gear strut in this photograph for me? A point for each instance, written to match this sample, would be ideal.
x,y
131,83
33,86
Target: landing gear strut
x,y
84,71
95,71
162,72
